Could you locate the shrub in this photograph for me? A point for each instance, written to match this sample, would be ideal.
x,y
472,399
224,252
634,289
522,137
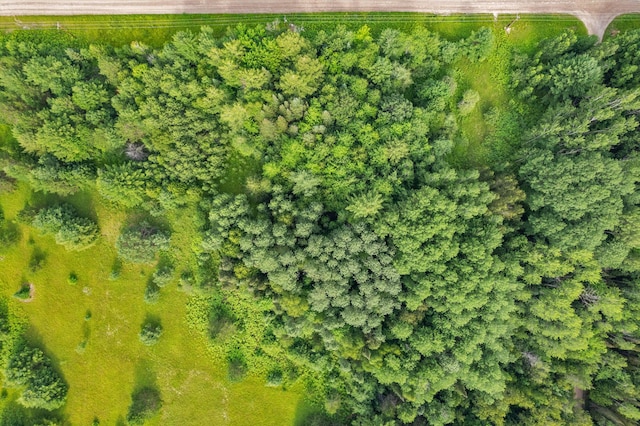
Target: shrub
x,y
73,278
145,403
141,242
221,322
187,281
150,332
70,230
37,260
43,387
163,275
237,367
9,233
7,184
115,270
24,292
469,100
81,347
274,378
151,293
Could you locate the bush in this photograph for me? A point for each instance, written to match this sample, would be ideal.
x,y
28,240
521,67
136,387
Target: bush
x,y
187,281
24,292
151,293
141,242
469,100
7,184
31,369
37,260
70,230
150,332
73,278
145,403
274,378
221,322
163,275
9,235
116,268
237,367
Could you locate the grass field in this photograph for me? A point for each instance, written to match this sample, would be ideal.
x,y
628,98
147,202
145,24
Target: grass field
x,y
156,29
623,23
101,357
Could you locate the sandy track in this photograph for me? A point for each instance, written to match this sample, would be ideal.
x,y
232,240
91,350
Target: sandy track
x,y
596,14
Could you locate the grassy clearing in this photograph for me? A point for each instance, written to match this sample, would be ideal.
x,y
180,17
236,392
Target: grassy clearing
x,y
156,29
623,23
101,357
486,131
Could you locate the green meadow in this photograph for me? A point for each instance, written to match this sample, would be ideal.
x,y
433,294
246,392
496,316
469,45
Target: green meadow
x,y
91,330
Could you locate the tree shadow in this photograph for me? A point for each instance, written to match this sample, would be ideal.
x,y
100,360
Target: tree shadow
x,y
37,259
16,414
146,400
144,375
81,201
34,339
310,414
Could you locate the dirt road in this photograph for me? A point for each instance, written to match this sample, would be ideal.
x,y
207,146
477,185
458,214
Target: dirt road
x,y
596,14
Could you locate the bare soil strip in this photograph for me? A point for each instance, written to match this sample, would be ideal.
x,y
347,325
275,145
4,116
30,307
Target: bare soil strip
x,y
596,14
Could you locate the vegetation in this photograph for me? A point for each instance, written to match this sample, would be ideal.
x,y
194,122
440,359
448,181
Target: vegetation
x,y
141,242
70,230
43,387
27,367
364,218
145,403
151,332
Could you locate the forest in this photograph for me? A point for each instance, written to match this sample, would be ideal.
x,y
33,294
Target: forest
x,y
351,235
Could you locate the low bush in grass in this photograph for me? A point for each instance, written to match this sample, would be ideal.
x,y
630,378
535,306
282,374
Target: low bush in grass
x,y
24,292
150,332
37,260
151,293
116,269
73,278
162,276
145,402
222,322
469,101
7,184
9,234
237,368
275,378
187,282
141,242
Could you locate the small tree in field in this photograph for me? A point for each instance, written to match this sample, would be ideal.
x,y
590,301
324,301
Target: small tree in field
x,y
141,242
150,332
70,230
32,370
